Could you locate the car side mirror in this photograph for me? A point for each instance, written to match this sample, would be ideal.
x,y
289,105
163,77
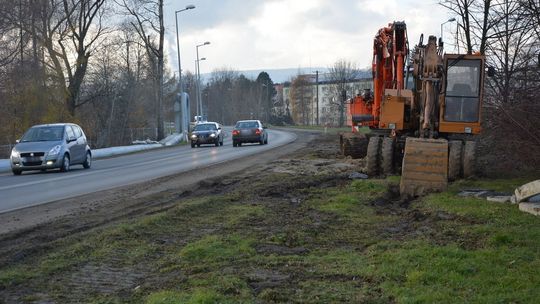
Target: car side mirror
x,y
17,141
70,139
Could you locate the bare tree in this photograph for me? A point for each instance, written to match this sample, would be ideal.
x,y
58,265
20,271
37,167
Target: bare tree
x,y
510,49
148,22
71,27
340,75
301,96
531,10
474,23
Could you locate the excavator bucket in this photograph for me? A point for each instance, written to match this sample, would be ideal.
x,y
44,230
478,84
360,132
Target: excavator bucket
x,y
425,166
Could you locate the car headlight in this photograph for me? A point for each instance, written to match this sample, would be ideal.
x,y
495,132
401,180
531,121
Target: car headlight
x,y
55,150
15,153
193,136
213,135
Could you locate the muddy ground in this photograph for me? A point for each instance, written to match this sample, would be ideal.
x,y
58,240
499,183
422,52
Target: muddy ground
x,y
314,166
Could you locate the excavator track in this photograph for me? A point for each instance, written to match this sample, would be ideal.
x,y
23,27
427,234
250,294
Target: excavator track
x,y
353,145
387,155
454,159
425,166
373,156
469,157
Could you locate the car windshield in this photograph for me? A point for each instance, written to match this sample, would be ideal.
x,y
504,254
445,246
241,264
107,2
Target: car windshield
x,y
205,127
247,124
55,133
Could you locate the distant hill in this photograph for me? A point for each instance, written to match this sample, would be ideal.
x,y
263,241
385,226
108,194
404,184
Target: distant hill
x,y
283,75
277,75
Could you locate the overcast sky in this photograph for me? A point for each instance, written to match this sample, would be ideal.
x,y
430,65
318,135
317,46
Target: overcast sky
x,y
257,34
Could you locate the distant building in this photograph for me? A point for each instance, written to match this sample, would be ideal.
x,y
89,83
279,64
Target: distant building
x,y
327,108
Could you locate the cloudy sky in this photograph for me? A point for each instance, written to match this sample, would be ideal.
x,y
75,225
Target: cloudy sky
x,y
269,34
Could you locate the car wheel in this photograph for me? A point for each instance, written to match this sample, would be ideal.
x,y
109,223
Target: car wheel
x,y
88,161
198,145
65,163
239,144
261,142
266,141
221,142
217,143
192,145
16,172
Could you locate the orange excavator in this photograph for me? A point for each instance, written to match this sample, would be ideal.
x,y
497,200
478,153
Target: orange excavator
x,y
423,117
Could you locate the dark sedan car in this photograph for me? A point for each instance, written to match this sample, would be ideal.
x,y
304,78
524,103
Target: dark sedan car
x,y
249,131
206,133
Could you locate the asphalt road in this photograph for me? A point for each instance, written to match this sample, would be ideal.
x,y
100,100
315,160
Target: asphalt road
x,y
34,187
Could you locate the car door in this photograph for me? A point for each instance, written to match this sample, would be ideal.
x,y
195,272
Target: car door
x,y
81,143
71,144
76,148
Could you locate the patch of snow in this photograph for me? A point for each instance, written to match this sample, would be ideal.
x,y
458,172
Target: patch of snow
x,y
4,165
112,151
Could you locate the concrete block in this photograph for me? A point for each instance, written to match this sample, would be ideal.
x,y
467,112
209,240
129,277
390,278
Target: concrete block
x,y
532,208
499,199
528,190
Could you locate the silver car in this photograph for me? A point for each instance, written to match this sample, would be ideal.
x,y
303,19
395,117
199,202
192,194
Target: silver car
x,y
51,146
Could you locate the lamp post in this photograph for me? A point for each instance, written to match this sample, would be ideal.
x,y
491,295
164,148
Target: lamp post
x,y
317,87
198,87
449,20
199,107
188,7
180,122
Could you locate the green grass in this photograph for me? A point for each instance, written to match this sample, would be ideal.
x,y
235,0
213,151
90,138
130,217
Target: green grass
x,y
208,250
215,249
496,264
198,296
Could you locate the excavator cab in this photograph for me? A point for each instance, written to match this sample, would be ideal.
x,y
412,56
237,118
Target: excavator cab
x,y
462,94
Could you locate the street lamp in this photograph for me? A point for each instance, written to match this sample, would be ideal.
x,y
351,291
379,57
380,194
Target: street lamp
x,y
449,20
199,107
179,109
188,7
198,86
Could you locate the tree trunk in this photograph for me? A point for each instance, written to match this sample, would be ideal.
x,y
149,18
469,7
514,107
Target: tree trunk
x,y
76,81
160,74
